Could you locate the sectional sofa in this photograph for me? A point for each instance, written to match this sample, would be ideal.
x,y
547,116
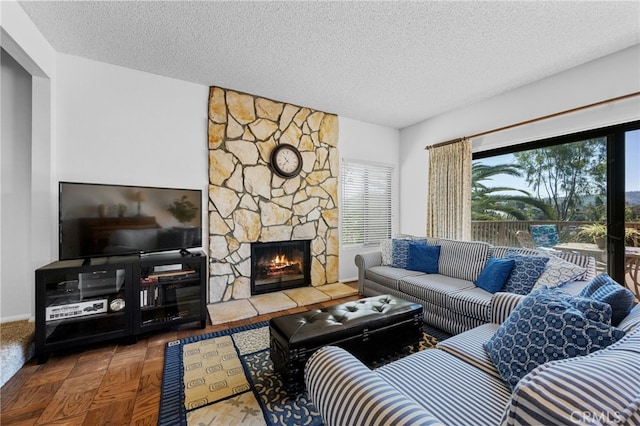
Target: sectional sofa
x,y
451,299
458,384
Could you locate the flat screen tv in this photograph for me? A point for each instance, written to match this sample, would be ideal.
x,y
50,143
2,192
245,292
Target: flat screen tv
x,y
97,220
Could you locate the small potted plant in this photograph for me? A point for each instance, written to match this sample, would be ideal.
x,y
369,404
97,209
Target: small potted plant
x,y
631,237
597,232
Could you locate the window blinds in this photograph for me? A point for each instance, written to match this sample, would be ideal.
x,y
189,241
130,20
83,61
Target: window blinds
x,y
366,203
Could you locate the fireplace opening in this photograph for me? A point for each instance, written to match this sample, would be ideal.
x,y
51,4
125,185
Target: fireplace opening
x,y
280,265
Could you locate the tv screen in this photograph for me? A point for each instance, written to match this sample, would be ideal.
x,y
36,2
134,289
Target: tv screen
x,y
110,220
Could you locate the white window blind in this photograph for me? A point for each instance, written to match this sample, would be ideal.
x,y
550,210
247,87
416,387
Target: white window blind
x,y
366,203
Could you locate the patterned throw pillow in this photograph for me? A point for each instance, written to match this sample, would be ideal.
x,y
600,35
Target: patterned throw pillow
x,y
545,235
400,251
495,274
577,259
526,271
548,325
558,272
604,289
423,258
386,248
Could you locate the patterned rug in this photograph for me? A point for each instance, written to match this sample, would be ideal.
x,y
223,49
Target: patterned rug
x,y
227,378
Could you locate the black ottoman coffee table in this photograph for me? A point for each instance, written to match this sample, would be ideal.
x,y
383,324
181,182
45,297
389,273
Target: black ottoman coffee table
x,y
374,324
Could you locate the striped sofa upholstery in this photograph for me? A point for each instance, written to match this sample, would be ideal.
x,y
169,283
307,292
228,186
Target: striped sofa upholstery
x,y
450,300
456,384
347,393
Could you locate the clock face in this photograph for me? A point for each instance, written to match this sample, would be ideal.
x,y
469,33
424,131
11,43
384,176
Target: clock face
x,y
286,161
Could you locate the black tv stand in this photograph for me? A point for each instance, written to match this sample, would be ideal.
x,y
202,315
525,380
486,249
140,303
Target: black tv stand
x,y
91,300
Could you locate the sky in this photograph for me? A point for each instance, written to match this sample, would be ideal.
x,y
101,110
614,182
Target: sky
x,y
632,167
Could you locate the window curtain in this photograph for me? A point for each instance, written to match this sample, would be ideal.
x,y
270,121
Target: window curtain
x,y
449,198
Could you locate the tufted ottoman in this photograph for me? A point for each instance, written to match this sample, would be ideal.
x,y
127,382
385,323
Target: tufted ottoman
x,y
371,325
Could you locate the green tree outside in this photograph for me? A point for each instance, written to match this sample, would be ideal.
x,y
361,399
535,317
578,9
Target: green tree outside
x,y
500,203
566,175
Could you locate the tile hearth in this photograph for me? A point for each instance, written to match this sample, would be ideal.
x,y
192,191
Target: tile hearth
x,y
240,309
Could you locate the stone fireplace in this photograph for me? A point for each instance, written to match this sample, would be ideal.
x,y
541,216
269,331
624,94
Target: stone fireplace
x,y
248,203
280,265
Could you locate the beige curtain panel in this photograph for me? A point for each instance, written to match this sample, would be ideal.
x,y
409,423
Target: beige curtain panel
x,y
449,198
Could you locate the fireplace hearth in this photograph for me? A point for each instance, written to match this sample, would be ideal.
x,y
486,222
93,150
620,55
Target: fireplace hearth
x,y
280,265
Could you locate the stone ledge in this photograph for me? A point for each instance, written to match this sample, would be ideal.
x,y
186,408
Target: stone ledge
x,y
240,309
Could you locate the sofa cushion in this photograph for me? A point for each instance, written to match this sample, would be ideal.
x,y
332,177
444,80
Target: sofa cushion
x,y
423,258
388,275
501,251
605,289
495,274
469,347
545,235
525,273
471,302
607,382
463,259
549,325
454,391
434,288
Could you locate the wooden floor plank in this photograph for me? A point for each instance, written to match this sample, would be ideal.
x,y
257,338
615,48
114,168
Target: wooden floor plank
x,y
115,384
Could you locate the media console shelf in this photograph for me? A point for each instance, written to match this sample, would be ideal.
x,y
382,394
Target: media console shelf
x,y
120,297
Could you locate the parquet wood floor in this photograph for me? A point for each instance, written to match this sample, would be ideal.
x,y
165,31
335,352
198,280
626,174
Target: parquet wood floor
x,y
110,384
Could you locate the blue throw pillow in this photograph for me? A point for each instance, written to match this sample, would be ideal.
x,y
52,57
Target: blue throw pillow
x,y
400,251
423,258
604,289
525,273
495,274
547,325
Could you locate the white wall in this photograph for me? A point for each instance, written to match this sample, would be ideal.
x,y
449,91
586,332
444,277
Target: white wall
x,y
26,154
605,78
377,144
16,187
118,125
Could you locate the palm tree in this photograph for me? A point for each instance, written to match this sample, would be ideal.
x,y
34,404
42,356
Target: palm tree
x,y
488,204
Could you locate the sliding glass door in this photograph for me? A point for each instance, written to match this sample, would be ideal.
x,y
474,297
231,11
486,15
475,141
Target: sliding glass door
x,y
569,193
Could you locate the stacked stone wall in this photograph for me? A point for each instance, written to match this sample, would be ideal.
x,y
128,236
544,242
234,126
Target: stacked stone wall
x,y
249,203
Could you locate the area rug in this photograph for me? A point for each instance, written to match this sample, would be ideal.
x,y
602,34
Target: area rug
x,y
227,378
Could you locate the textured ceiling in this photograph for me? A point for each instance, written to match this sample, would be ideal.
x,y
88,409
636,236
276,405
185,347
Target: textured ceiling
x,y
391,63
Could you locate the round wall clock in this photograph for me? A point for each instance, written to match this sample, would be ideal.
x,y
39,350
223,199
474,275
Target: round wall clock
x,y
286,160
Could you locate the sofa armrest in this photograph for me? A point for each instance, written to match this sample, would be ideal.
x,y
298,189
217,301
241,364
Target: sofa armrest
x,y
346,392
364,261
502,304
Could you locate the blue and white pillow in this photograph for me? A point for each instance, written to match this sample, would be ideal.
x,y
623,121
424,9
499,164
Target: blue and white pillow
x,y
386,249
604,289
549,325
544,235
400,251
525,273
558,271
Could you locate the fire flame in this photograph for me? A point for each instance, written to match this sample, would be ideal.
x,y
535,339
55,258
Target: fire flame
x,y
280,261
